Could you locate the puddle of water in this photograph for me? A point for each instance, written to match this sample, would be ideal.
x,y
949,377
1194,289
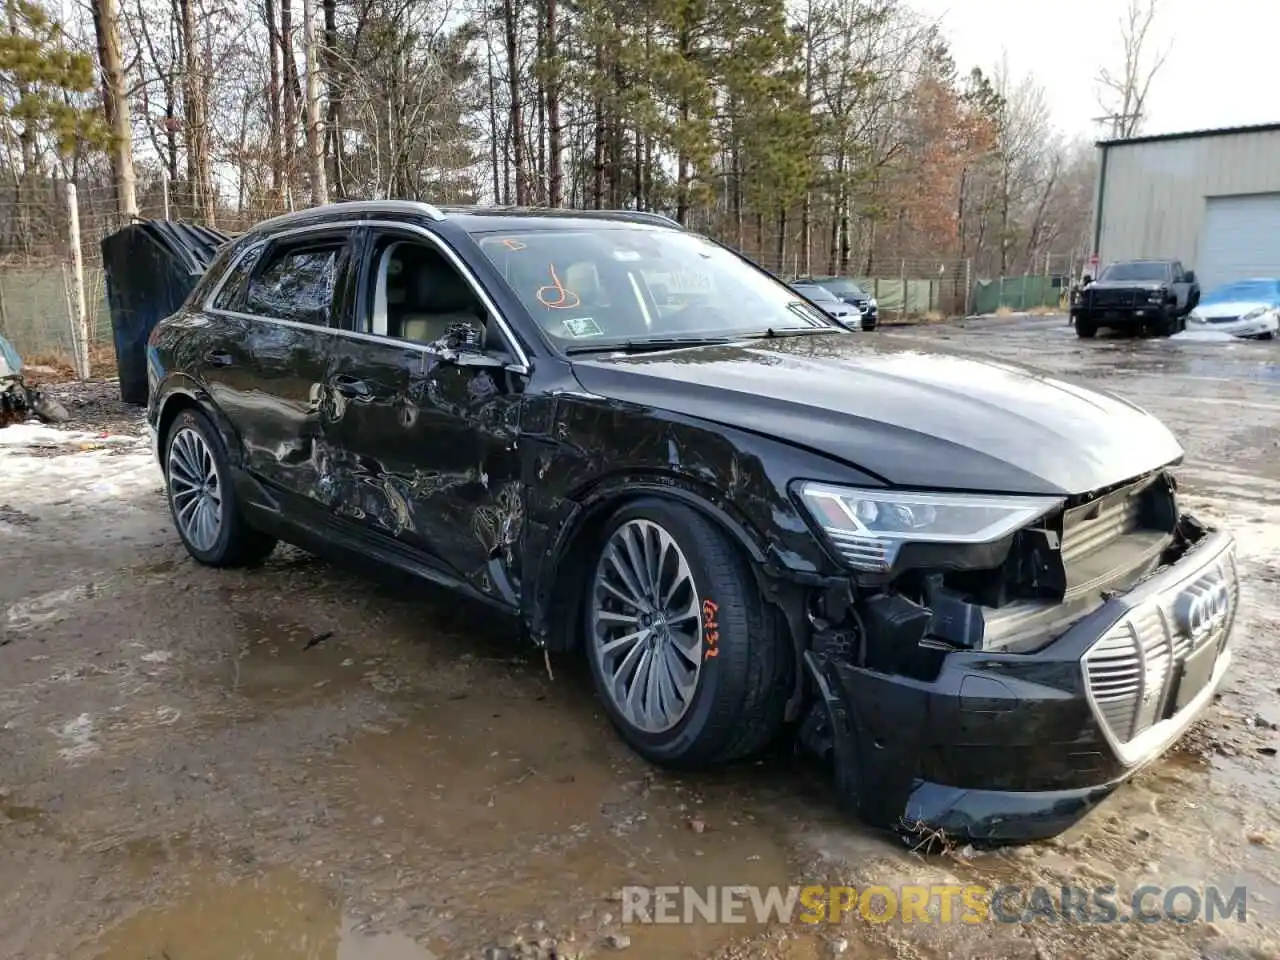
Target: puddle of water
x,y
542,814
276,916
285,663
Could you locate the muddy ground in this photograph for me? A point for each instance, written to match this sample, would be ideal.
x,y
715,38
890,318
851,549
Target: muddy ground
x,y
308,761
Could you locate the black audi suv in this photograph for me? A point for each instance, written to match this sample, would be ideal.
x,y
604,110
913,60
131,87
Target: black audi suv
x,y
968,585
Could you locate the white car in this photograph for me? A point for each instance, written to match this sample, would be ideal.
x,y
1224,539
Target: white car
x,y
1246,308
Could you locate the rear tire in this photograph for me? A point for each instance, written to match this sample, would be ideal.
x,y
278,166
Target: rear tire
x,y
202,498
672,595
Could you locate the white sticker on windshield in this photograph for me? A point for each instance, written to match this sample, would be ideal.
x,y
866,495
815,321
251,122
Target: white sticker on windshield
x,y
626,255
583,327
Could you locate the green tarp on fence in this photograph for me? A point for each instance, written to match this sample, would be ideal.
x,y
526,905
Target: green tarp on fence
x,y
1017,293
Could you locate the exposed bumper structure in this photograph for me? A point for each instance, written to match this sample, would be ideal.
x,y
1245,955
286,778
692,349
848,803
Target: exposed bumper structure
x,y
1005,747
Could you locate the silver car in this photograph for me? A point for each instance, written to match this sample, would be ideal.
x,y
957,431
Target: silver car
x,y
1246,308
845,314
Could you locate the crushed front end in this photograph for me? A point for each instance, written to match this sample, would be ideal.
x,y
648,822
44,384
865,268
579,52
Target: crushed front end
x,y
996,691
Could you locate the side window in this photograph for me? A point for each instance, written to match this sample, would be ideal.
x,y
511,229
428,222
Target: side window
x,y
419,295
1178,273
296,283
231,296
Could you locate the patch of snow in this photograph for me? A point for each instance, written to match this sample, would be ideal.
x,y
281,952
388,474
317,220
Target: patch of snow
x,y
1204,336
77,734
44,607
157,656
41,464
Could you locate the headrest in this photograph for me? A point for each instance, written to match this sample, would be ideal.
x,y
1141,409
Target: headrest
x,y
438,288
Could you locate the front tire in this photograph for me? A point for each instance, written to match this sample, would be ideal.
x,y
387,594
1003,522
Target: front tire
x,y
1086,330
202,498
686,656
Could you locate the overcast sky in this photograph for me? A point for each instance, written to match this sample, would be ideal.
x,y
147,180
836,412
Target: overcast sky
x,y
1221,71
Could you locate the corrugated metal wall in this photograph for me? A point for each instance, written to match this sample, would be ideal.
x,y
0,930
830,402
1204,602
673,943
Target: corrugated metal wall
x,y
1153,202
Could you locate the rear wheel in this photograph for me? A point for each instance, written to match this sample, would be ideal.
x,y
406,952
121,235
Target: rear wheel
x,y
686,656
202,499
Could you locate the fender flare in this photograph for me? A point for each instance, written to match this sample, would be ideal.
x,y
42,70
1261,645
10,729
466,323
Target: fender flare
x,y
577,513
180,390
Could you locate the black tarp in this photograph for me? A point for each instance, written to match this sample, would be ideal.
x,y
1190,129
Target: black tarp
x,y
150,266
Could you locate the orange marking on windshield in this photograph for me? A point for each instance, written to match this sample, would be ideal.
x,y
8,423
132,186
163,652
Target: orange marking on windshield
x,y
564,298
511,243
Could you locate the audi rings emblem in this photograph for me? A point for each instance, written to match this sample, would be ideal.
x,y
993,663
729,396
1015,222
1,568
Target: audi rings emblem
x,y
1203,608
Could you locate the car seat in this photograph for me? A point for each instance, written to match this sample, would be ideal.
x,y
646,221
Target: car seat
x,y
437,297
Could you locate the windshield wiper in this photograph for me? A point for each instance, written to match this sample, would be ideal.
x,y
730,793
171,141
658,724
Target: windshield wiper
x,y
656,343
773,333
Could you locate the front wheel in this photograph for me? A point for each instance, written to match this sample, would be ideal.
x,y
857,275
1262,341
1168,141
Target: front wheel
x,y
1086,330
686,656
202,499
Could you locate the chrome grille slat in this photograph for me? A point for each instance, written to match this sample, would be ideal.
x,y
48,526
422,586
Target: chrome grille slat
x,y
1132,669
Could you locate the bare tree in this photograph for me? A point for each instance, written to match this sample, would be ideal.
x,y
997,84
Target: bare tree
x,y
315,129
115,105
1124,96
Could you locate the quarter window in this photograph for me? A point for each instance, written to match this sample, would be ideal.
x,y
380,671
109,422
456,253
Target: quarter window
x,y
231,295
296,284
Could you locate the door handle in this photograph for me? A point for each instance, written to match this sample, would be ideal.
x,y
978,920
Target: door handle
x,y
352,387
219,359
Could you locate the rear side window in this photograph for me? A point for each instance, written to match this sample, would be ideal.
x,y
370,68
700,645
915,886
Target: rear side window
x,y
296,283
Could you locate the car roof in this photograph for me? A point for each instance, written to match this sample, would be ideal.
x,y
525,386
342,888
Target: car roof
x,y
473,219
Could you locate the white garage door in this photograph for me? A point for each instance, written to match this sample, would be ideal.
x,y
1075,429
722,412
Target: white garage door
x,y
1241,239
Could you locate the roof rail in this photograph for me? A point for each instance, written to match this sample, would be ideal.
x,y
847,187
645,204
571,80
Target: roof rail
x,y
354,206
635,216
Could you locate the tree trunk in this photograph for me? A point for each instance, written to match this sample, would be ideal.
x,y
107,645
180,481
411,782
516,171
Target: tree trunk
x,y
781,249
499,194
199,176
555,172
517,117
289,79
115,106
273,101
539,191
333,129
315,126
735,190
597,157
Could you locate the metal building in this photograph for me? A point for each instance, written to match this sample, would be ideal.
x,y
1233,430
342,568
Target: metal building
x,y
1210,198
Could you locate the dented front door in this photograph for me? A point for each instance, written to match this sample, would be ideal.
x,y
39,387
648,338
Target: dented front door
x,y
423,451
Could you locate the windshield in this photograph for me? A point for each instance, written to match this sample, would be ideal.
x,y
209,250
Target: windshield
x,y
1137,270
1266,291
843,288
595,286
815,292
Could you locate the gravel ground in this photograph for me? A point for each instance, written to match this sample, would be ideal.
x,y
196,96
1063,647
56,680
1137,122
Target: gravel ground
x,y
306,761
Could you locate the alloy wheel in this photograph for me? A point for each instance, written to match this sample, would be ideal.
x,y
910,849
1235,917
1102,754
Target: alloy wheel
x,y
646,626
195,489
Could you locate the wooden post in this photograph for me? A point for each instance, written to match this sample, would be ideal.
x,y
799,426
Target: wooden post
x,y
79,315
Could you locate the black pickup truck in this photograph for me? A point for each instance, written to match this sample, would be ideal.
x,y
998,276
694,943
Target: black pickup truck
x,y
1139,295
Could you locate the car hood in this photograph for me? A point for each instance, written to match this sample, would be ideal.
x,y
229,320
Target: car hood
x,y
1231,308
912,418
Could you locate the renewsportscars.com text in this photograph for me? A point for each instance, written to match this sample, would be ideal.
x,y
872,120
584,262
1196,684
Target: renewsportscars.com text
x,y
933,903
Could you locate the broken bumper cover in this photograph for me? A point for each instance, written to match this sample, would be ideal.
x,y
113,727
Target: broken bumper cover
x,y
1015,747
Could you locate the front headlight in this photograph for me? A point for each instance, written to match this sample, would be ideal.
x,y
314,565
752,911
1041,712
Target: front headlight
x,y
1257,313
871,302
870,527
1156,296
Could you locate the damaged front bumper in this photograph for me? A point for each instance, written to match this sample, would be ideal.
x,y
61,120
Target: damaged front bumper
x,y
1012,747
